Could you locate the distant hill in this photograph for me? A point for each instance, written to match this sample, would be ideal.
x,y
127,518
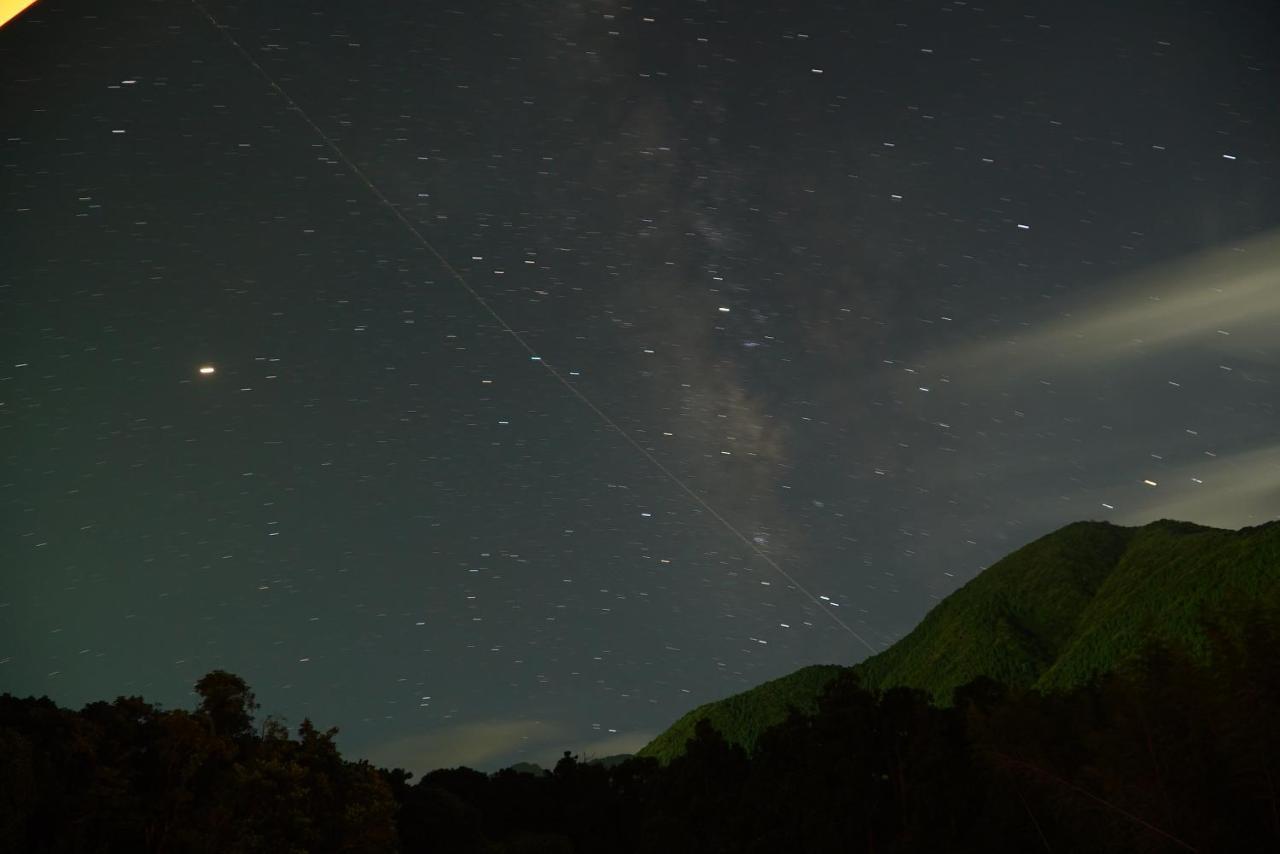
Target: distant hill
x,y
528,768
743,717
537,770
1079,601
611,761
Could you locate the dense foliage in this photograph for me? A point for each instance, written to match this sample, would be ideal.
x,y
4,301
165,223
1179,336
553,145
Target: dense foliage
x,y
126,776
1103,689
1174,752
1078,602
744,717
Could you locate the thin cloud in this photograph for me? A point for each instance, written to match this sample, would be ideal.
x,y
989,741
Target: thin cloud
x,y
1231,492
474,745
492,744
628,742
1225,298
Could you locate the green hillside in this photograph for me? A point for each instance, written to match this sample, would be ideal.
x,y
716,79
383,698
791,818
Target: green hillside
x,y
742,717
1078,601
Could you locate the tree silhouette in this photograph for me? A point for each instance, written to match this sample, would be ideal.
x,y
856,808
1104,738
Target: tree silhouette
x,y
227,704
1165,754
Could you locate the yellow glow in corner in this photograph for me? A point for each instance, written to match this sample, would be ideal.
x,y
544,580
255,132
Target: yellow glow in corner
x,y
206,369
9,9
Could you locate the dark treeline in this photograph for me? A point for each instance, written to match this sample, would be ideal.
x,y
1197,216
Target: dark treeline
x,y
1166,755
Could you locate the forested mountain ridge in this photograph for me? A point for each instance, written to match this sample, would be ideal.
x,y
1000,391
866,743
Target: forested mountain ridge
x,y
1170,748
1079,601
1163,754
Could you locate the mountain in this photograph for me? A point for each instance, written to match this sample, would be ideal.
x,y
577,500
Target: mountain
x,y
611,761
1077,602
532,768
743,717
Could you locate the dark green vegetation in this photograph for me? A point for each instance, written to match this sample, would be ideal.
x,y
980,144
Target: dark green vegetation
x,y
1077,602
742,718
1164,755
1156,746
126,776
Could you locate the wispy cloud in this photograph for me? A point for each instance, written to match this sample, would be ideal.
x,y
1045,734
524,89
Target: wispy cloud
x,y
1228,298
489,745
628,742
475,745
1227,492
1119,399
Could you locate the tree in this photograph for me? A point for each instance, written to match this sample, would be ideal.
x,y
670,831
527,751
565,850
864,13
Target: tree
x,y
227,704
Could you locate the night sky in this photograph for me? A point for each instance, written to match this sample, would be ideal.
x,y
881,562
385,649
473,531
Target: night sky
x,y
576,363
